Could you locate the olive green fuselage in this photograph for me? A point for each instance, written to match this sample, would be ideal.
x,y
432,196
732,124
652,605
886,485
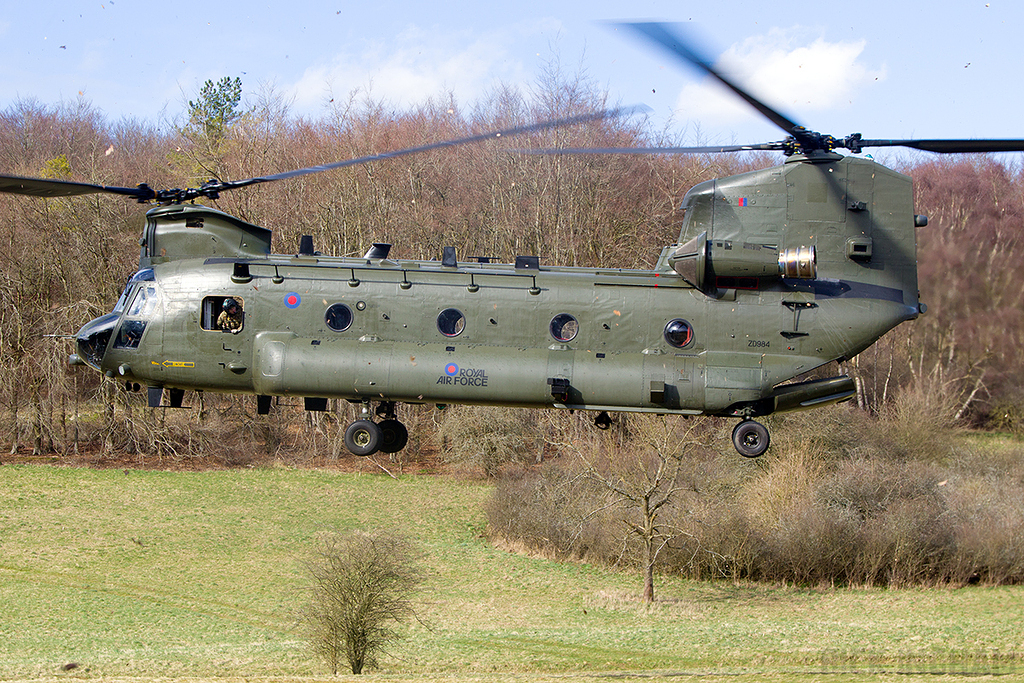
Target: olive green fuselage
x,y
535,335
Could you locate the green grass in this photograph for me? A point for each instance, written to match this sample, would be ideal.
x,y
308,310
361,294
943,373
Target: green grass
x,y
150,574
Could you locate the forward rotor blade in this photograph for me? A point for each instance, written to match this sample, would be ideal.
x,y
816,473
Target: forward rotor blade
x,y
490,135
41,187
669,39
950,146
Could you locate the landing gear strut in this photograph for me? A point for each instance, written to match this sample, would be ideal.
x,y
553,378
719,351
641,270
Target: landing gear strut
x,y
366,437
750,438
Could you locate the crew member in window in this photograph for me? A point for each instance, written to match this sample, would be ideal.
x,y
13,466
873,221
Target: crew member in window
x,y
230,318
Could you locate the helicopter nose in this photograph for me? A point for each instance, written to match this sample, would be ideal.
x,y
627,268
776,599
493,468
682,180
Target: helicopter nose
x,y
93,339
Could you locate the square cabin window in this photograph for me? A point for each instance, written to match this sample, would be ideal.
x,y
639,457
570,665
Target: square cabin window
x,y
212,307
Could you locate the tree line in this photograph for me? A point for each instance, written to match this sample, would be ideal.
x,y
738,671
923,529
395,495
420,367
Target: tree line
x,y
64,261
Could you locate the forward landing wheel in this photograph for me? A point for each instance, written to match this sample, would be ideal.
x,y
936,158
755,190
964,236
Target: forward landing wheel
x,y
394,436
363,437
750,439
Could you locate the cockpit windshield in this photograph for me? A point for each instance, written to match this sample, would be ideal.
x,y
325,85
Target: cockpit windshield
x,y
136,317
140,298
143,303
144,275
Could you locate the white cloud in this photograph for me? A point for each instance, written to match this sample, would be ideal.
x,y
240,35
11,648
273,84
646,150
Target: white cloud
x,y
412,67
787,70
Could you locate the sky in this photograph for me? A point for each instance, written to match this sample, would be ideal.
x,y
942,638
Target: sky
x,y
884,68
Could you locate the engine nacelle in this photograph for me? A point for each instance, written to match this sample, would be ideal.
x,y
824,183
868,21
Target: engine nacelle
x,y
710,265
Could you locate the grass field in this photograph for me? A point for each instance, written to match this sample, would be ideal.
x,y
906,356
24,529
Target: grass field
x,y
148,575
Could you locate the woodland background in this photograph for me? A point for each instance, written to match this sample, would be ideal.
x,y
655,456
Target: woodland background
x,y
65,261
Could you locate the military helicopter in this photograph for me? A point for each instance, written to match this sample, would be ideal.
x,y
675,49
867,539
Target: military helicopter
x,y
775,273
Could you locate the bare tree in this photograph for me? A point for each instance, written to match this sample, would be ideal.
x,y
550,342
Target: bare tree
x,y
642,481
360,588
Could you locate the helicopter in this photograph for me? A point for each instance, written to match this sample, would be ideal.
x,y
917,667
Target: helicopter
x,y
775,273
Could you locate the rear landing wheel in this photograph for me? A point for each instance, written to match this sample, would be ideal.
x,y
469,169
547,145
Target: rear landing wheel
x,y
363,437
394,436
750,438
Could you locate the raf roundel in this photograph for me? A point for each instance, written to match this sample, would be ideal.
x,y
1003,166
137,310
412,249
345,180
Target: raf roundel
x,y
451,369
292,300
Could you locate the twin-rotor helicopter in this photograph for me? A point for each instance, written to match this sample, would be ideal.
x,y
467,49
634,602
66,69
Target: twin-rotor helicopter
x,y
775,273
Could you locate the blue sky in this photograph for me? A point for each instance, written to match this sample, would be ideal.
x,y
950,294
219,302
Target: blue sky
x,y
885,68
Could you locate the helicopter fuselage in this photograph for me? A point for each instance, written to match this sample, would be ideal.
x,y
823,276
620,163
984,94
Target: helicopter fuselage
x,y
718,326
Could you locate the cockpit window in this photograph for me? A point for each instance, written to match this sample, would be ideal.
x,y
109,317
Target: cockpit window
x,y
144,302
144,275
130,334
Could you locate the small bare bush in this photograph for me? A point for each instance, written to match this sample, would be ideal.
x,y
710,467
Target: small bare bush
x,y
360,588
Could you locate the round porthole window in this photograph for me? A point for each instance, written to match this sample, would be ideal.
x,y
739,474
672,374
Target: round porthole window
x,y
678,333
564,327
338,317
451,322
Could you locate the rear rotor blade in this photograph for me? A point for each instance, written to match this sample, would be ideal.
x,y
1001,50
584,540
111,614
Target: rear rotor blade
x,y
949,146
761,147
854,143
669,38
